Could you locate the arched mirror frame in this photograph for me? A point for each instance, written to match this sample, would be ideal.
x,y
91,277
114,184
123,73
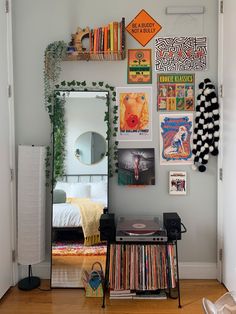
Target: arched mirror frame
x,y
59,102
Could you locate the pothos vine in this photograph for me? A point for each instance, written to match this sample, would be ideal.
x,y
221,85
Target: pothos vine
x,y
55,105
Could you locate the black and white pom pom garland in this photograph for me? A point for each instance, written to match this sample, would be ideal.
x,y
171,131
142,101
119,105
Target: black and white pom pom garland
x,y
206,131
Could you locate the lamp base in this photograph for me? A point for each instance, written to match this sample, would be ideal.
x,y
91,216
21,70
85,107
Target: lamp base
x,y
29,283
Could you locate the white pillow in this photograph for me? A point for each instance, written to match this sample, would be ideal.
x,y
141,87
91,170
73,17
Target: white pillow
x,y
74,189
65,186
79,190
99,190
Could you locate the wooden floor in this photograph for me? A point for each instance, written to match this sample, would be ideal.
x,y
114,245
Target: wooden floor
x,y
73,301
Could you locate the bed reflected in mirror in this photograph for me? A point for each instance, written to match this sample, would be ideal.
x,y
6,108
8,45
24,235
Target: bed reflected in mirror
x,y
81,193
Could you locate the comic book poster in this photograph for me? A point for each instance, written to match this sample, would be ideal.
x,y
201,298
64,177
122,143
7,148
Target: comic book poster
x,y
136,166
176,138
178,54
135,113
177,183
175,92
139,66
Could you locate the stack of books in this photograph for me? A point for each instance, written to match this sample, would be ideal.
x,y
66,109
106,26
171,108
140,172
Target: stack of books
x,y
138,295
108,41
122,294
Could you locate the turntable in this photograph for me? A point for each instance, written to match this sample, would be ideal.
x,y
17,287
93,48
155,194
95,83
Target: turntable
x,y
140,229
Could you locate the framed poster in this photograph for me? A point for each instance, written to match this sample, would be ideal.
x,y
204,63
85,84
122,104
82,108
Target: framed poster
x,y
134,113
180,54
136,166
177,183
139,66
175,92
176,138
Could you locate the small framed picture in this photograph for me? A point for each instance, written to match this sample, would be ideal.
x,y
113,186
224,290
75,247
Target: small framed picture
x,y
177,183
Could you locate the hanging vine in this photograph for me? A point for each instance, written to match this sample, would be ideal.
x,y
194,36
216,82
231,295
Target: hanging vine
x,y
53,56
110,117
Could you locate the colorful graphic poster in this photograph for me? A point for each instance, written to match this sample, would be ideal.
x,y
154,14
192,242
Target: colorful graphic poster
x,y
136,166
180,54
134,108
143,27
177,183
176,138
139,66
175,92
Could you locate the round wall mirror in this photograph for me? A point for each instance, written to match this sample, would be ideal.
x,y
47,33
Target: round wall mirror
x,y
90,148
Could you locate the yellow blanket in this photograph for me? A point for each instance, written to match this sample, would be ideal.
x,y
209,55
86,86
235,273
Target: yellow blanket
x,y
90,217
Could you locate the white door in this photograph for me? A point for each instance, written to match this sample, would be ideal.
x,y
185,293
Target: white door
x,y
5,184
228,184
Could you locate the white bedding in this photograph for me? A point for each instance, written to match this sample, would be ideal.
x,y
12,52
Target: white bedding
x,y
68,215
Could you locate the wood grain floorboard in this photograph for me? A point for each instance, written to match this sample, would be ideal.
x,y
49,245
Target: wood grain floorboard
x,y
73,301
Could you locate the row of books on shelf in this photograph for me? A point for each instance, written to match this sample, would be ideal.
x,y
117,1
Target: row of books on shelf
x,y
128,294
110,38
142,267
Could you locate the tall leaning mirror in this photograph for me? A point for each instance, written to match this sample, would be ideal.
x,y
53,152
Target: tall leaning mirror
x,y
80,177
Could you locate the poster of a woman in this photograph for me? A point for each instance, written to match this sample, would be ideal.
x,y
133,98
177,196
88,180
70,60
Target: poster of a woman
x,y
134,107
176,138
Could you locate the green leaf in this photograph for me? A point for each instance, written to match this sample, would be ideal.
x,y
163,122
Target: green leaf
x,y
94,83
83,83
63,83
111,88
100,84
77,83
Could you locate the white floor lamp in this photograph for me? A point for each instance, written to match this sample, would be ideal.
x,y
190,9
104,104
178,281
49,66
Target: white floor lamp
x,y
31,210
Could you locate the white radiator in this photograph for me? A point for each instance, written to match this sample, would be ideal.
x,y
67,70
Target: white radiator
x,y
31,204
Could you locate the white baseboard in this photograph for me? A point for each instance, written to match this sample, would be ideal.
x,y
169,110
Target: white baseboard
x,y
197,270
186,270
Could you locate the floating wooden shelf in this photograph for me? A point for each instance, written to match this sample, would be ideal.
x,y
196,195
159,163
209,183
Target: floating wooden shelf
x,y
95,56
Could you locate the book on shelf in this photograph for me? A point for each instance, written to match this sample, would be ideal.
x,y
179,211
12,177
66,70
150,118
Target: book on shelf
x,y
151,295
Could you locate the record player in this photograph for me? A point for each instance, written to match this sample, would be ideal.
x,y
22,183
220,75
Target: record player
x,y
140,229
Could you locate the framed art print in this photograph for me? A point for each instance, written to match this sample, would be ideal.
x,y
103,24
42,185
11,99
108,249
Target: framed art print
x,y
139,70
136,166
175,92
178,54
134,113
176,138
177,183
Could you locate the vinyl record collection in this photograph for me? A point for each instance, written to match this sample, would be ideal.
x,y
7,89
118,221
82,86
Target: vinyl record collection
x,y
139,267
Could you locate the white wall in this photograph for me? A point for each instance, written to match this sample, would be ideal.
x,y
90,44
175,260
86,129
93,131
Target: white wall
x,y
38,23
83,115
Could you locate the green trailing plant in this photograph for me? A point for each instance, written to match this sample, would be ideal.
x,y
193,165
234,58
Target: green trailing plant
x,y
53,56
110,117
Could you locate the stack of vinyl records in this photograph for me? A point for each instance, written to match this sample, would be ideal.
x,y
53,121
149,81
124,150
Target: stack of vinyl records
x,y
140,267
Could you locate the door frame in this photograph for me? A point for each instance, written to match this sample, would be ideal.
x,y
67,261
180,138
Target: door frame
x,y
12,169
220,209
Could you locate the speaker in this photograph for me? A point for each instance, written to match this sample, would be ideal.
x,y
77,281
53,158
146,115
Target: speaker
x,y
172,224
107,227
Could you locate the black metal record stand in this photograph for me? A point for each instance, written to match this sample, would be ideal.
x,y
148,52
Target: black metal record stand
x,y
106,280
